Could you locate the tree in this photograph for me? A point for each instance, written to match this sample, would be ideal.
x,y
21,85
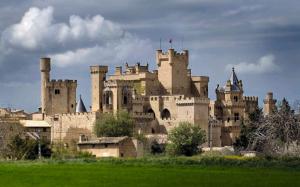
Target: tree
x,y
277,133
185,139
248,127
7,132
20,148
110,125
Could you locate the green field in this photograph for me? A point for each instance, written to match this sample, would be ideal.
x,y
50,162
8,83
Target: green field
x,y
83,174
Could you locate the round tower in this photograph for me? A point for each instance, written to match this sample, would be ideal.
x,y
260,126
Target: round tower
x,y
45,68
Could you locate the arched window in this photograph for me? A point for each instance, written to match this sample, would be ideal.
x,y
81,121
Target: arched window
x,y
165,114
151,112
107,97
126,95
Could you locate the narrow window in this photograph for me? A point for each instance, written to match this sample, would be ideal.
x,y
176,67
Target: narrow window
x,y
56,91
235,98
236,116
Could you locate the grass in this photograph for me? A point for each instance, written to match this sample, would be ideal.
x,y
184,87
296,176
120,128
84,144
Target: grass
x,y
146,172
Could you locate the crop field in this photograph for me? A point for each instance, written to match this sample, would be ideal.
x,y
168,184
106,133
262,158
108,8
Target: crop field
x,y
84,174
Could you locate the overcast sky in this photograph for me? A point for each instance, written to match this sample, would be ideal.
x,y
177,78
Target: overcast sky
x,y
260,38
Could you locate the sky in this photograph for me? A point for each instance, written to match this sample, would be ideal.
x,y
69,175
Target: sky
x,y
260,38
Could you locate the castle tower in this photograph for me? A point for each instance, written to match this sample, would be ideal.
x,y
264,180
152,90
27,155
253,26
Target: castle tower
x,y
45,69
98,75
269,104
173,73
57,96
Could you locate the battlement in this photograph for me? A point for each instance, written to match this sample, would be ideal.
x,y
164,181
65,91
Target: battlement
x,y
180,99
98,69
171,55
118,82
45,64
250,98
62,83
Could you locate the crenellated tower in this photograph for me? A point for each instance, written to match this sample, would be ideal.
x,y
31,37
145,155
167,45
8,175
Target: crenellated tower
x,y
98,76
269,104
57,96
173,72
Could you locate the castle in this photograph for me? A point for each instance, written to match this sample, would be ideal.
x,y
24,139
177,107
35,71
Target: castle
x,y
157,100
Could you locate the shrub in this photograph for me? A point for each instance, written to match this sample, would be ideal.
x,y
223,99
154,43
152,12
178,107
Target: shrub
x,y
111,125
185,139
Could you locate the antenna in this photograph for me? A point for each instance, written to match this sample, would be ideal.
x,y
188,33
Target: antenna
x,y
160,43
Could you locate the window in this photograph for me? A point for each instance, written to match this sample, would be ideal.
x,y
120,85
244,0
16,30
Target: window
x,y
56,91
236,116
235,98
228,119
122,154
44,129
105,145
152,131
165,114
72,105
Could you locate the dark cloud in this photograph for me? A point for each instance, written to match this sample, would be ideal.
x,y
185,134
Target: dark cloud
x,y
217,33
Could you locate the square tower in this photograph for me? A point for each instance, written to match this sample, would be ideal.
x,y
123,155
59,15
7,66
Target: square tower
x,y
173,72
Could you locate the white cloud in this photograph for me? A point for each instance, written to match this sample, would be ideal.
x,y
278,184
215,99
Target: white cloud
x,y
81,40
128,49
37,30
265,64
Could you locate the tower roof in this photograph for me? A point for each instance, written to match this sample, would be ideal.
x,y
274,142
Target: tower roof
x,y
233,78
234,81
80,106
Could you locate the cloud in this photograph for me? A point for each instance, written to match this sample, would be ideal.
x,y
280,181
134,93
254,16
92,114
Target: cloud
x,y
265,64
37,31
128,49
81,40
243,9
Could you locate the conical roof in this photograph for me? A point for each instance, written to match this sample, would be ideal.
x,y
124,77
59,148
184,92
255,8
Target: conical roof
x,y
234,82
80,106
233,78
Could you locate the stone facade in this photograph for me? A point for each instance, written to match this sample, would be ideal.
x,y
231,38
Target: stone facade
x,y
112,147
231,108
158,100
57,96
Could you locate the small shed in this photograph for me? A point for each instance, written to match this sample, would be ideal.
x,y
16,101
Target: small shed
x,y
111,147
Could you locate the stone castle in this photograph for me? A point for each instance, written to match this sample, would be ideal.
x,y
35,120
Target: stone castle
x,y
157,100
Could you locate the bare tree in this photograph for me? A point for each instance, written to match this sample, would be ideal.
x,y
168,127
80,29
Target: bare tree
x,y
278,133
7,132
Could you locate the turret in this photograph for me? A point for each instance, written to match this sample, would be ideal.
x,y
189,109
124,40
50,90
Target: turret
x,y
45,68
173,73
98,76
269,104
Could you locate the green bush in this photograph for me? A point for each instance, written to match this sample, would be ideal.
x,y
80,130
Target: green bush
x,y
185,139
110,125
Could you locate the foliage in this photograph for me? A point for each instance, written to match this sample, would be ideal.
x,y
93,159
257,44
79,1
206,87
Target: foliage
x,y
157,148
185,139
7,132
20,148
110,125
248,127
277,133
60,152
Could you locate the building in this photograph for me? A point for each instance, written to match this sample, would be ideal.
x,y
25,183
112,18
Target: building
x,y
231,107
158,100
111,147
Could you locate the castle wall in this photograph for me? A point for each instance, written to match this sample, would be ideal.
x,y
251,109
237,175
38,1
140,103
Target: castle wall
x,y
68,127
